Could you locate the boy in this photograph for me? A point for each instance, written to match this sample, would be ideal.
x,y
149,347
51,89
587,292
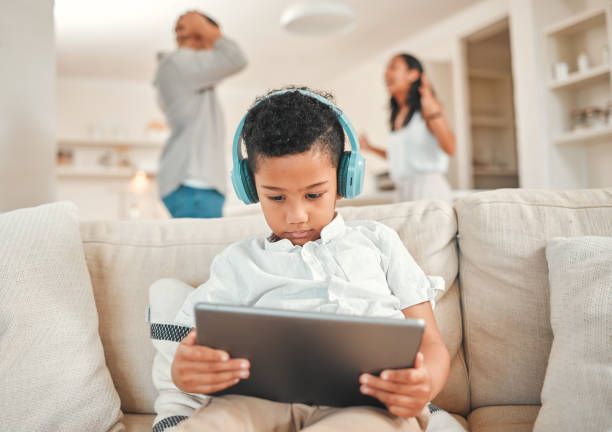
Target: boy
x,y
312,261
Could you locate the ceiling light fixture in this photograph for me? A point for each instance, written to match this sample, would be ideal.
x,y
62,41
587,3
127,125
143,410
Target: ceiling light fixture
x,y
318,18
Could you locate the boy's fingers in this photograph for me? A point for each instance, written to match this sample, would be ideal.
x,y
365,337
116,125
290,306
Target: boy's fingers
x,y
203,354
395,387
389,398
207,389
190,339
221,377
405,376
212,367
419,361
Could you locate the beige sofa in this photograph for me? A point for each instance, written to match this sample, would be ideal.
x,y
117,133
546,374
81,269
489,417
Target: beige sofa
x,y
494,315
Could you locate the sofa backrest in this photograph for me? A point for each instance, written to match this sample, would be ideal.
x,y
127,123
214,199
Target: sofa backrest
x,y
504,283
125,258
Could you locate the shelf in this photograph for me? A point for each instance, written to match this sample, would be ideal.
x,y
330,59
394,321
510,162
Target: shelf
x,y
581,78
489,74
584,137
98,142
497,172
64,171
577,23
491,121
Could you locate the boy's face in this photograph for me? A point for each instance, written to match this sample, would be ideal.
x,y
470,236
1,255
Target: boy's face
x,y
298,194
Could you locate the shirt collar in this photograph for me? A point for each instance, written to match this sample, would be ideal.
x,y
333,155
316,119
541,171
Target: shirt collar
x,y
332,230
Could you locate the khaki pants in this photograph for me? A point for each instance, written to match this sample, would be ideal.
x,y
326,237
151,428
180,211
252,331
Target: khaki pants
x,y
249,414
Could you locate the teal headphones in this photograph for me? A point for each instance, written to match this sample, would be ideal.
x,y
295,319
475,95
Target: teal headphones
x,y
351,167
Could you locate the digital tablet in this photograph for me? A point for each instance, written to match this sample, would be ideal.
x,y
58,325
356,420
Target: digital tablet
x,y
305,357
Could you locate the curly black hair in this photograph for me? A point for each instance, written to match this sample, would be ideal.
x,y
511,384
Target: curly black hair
x,y
291,123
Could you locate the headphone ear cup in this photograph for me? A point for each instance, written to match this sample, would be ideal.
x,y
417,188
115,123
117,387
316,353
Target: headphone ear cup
x,y
248,182
343,173
351,170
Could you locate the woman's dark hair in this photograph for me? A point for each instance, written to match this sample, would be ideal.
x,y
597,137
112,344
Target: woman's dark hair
x,y
414,97
291,123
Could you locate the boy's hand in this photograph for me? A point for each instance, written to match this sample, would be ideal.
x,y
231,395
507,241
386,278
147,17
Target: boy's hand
x,y
199,369
403,391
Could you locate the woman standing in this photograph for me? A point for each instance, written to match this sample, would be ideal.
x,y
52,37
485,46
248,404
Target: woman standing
x,y
421,141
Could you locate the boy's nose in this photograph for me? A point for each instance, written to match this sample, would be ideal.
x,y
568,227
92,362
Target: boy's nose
x,y
297,214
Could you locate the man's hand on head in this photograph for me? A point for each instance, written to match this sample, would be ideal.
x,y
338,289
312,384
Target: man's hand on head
x,y
194,30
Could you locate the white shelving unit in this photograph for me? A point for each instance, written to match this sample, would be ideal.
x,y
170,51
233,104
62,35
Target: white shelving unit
x,y
585,136
64,171
491,121
102,177
87,152
584,33
578,23
496,172
581,145
577,79
112,143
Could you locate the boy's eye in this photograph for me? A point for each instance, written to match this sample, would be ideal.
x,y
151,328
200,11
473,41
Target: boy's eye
x,y
276,197
313,195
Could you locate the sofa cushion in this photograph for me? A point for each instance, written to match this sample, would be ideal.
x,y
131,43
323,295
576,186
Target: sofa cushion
x,y
166,297
503,418
138,422
52,365
504,283
125,258
577,392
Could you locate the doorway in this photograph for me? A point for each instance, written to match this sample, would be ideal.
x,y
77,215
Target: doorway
x,y
492,132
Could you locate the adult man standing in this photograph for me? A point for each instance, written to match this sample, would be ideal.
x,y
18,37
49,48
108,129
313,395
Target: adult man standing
x,y
192,174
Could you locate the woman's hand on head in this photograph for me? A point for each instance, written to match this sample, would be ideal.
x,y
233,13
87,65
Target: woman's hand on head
x,y
429,104
204,370
404,392
364,142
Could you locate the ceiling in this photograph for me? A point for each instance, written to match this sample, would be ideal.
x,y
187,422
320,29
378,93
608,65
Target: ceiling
x,y
119,39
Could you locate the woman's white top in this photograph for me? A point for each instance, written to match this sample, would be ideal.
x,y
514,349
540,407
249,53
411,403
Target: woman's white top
x,y
355,268
415,150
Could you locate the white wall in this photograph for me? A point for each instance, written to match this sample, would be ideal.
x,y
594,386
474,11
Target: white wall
x,y
27,104
529,96
104,108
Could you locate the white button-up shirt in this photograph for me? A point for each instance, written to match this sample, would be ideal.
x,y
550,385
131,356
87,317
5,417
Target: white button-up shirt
x,y
355,268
